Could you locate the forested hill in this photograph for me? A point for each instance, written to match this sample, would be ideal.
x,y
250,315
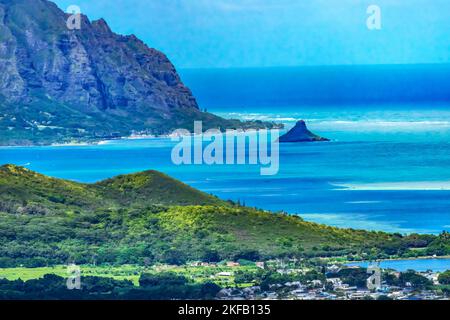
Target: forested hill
x,y
60,85
149,188
151,217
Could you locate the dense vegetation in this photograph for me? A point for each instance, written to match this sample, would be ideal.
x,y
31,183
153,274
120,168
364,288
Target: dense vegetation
x,y
151,287
444,278
148,217
173,285
28,125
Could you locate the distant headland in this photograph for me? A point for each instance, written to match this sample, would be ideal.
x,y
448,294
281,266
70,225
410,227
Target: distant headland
x,y
300,133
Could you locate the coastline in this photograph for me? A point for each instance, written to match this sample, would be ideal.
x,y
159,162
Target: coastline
x,y
360,204
87,143
84,143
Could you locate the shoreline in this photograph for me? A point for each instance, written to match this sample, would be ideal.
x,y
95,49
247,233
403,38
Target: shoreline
x,y
82,143
106,141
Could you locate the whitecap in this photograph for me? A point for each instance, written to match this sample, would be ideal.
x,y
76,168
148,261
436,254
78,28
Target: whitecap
x,y
363,202
359,221
396,186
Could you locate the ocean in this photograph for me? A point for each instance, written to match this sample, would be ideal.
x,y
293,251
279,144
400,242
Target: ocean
x,y
420,265
387,167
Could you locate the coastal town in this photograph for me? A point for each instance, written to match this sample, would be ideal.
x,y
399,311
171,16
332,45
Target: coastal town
x,y
291,280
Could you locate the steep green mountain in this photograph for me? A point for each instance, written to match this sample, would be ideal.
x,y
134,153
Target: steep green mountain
x,y
29,189
60,85
150,217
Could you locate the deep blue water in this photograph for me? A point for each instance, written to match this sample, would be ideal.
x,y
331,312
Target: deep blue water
x,y
319,86
387,167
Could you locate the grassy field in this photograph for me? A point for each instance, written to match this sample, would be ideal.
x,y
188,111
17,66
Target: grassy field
x,y
131,272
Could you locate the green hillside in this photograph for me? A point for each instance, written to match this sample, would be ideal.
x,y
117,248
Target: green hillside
x,y
149,217
20,187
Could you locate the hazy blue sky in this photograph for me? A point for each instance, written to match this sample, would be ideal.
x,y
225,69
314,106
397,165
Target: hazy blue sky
x,y
262,33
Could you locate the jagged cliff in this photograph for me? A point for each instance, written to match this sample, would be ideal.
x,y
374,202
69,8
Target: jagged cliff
x,y
58,84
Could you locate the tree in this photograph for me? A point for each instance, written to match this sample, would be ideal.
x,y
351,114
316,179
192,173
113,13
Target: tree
x,y
251,255
175,257
211,256
416,280
163,279
444,278
209,290
354,277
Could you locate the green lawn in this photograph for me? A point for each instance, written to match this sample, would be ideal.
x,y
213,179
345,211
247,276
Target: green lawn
x,y
119,273
129,272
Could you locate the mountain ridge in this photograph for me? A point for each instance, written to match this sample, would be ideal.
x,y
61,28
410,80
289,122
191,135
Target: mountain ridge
x,y
139,189
60,85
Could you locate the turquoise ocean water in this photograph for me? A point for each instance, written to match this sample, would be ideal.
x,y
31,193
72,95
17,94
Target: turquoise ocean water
x,y
384,170
387,167
421,265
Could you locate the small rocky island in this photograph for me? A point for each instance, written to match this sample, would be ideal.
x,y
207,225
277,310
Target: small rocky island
x,y
300,133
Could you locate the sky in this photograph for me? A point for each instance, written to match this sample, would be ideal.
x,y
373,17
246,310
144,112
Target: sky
x,y
272,33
